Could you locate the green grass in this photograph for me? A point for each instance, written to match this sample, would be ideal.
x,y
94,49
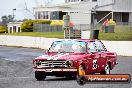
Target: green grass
x,y
122,33
39,34
117,36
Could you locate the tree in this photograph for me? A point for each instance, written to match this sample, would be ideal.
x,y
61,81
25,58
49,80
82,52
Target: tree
x,y
25,19
6,19
27,26
10,18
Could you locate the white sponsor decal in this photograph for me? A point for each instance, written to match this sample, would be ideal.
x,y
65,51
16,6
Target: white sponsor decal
x,y
43,56
52,57
95,65
60,56
55,57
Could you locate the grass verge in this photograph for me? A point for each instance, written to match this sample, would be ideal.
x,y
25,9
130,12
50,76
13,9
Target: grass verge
x,y
119,35
39,34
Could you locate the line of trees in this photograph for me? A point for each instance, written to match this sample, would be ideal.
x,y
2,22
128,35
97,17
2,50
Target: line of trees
x,y
4,22
7,19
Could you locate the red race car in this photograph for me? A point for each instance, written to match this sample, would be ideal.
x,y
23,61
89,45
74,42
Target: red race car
x,y
64,58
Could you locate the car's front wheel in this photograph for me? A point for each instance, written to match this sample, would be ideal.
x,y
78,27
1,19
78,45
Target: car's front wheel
x,y
81,80
39,75
107,69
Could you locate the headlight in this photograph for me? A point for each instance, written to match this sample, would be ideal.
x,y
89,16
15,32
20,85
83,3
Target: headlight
x,y
34,64
69,64
38,62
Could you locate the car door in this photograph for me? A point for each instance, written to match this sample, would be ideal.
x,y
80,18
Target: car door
x,y
92,59
111,56
101,55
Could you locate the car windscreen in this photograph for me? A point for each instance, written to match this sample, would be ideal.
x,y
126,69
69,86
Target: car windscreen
x,y
68,47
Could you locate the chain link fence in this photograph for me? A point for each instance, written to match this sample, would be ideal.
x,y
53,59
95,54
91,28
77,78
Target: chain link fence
x,y
49,28
46,28
120,26
124,26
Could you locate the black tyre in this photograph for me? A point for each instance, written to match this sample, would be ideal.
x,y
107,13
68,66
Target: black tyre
x,y
39,75
81,80
107,69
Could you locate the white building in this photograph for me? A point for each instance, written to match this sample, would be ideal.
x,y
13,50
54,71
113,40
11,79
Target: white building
x,y
81,11
14,27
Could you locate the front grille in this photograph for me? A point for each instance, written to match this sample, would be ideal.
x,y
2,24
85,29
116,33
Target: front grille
x,y
52,64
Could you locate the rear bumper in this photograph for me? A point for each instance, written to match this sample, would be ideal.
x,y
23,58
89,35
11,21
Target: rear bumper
x,y
57,72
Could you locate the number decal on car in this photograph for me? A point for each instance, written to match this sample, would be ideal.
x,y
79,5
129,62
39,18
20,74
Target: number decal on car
x,y
95,65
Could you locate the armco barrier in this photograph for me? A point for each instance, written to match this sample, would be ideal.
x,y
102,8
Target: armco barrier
x,y
120,47
26,41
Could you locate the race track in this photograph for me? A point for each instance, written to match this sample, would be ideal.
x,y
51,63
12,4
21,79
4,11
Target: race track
x,y
16,71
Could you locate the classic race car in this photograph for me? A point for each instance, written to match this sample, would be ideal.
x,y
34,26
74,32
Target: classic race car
x,y
65,57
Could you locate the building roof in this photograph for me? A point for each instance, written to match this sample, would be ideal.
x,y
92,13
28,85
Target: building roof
x,y
14,23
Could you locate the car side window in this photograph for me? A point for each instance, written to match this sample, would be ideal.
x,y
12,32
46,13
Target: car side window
x,y
91,47
99,46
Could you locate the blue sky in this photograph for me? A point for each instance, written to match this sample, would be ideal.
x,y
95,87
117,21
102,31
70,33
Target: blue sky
x,y
7,6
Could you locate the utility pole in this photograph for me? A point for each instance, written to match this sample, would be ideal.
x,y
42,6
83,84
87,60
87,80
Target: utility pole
x,y
13,13
13,19
112,15
95,32
66,25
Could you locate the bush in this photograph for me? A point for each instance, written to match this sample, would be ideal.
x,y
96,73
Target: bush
x,y
57,23
42,21
27,25
3,29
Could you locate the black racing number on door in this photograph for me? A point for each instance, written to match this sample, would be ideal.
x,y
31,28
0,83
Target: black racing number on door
x,y
95,65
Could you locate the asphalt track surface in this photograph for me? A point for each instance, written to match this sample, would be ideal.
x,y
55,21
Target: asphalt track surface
x,y
16,71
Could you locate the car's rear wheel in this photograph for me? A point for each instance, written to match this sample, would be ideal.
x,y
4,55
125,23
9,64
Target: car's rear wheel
x,y
39,75
107,69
